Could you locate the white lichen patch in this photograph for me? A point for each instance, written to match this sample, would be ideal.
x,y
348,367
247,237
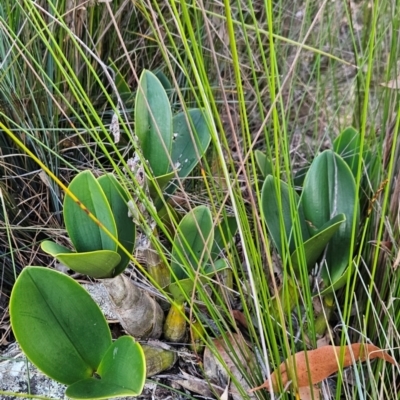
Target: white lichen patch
x,y
17,375
100,295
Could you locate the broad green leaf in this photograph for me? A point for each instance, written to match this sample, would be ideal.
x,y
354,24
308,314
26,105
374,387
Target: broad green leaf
x,y
169,217
181,290
191,140
126,231
347,145
85,234
263,163
163,80
158,184
217,266
192,242
57,324
122,372
300,175
273,212
329,190
97,264
314,246
287,298
340,282
153,123
223,235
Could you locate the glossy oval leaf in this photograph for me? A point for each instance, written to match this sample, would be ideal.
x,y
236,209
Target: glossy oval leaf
x,y
163,80
182,290
287,298
97,264
300,175
85,234
329,189
347,145
314,246
126,231
340,282
191,140
122,372
273,212
157,185
216,266
193,242
224,233
57,324
153,123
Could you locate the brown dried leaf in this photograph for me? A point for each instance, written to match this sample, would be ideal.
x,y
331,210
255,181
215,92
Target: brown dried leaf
x,y
239,351
239,318
316,365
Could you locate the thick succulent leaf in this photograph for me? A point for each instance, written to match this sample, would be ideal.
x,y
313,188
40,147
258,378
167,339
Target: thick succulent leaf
x,y
287,298
314,246
273,213
163,80
58,325
329,189
122,371
347,145
153,123
54,248
340,282
300,175
169,217
157,185
181,290
263,163
85,234
191,140
192,242
217,266
126,230
97,264
223,235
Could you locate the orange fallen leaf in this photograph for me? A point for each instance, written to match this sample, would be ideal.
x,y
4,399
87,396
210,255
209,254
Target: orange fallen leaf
x,y
316,365
309,393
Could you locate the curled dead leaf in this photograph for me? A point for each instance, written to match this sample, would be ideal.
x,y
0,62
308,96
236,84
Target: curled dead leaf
x,y
316,365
